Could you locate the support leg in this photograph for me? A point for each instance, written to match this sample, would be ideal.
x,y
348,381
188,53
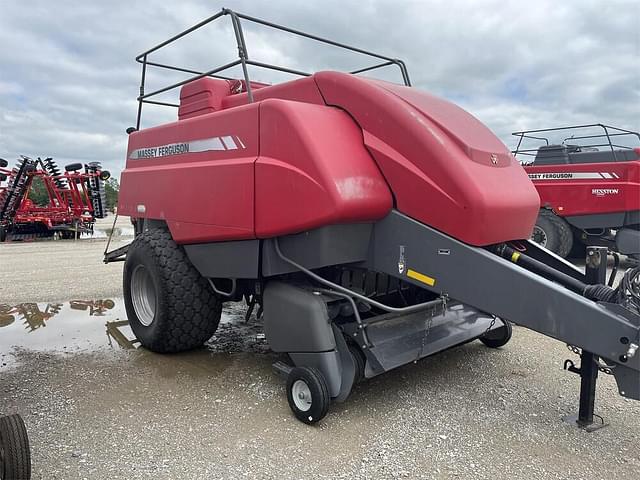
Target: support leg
x,y
596,272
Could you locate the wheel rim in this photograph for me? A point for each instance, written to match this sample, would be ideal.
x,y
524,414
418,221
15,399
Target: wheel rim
x,y
539,236
301,395
143,295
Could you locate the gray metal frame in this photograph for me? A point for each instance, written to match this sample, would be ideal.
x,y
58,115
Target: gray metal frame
x,y
602,140
489,283
243,59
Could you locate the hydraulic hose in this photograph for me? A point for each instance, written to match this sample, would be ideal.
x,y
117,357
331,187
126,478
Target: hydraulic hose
x,y
592,292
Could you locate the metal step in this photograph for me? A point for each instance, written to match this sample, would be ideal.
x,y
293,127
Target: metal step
x,y
117,255
401,340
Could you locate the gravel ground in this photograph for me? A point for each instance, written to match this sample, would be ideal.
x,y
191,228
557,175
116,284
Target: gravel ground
x,y
53,270
220,412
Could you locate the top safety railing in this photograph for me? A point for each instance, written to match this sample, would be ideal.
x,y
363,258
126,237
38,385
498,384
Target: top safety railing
x,y
608,139
243,60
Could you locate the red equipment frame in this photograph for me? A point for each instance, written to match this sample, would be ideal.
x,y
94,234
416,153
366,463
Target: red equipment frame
x,y
71,208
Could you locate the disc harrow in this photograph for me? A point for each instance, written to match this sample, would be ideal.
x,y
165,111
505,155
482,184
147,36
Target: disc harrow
x,y
75,199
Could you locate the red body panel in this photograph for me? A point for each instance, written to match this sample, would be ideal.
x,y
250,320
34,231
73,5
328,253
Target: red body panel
x,y
302,90
605,187
203,196
317,165
445,168
313,170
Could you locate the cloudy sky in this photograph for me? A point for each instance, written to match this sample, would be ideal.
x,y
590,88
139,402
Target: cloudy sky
x,y
68,79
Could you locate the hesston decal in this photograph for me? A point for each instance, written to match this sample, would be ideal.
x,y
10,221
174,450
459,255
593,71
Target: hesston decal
x,y
601,192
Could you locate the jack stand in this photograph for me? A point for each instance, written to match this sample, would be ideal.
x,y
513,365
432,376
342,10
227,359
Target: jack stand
x,y
596,272
588,372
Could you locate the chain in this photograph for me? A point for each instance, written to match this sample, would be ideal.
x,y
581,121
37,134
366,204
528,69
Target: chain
x,y
603,368
574,349
493,322
429,322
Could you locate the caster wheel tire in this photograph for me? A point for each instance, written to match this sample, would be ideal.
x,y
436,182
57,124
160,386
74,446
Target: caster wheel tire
x,y
15,455
308,394
359,361
498,337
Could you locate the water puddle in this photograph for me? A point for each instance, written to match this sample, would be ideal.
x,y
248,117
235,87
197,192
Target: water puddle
x,y
94,325
104,233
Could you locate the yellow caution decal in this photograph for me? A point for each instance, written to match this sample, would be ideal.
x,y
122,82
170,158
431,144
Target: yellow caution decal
x,y
421,277
515,256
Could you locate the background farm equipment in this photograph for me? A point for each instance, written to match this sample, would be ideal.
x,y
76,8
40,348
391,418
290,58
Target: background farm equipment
x,y
588,179
74,199
32,315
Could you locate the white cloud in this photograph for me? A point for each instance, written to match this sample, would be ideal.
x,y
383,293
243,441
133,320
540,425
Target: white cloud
x,y
68,81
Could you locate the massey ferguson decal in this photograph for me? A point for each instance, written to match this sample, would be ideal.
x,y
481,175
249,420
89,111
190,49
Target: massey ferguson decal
x,y
194,146
574,176
601,192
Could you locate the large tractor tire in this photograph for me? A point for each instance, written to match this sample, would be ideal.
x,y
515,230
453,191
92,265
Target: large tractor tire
x,y
553,233
171,307
15,455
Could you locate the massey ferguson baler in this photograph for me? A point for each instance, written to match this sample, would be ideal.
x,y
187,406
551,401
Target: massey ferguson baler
x,y
371,223
588,179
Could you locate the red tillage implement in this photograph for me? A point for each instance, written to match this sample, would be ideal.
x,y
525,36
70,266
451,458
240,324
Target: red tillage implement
x,y
74,199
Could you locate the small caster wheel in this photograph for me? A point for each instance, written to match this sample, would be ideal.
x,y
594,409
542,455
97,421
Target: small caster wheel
x,y
359,360
308,394
498,337
15,456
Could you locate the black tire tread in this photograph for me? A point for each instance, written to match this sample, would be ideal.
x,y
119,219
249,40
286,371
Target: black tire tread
x,y
360,362
310,375
15,443
73,167
191,309
499,337
565,234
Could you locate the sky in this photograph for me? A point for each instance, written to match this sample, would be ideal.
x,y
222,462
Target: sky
x,y
69,80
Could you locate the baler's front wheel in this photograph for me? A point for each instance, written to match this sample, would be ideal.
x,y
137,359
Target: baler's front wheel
x,y
171,307
498,337
308,394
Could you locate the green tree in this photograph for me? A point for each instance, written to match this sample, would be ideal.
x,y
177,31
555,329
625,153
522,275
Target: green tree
x,y
112,188
38,193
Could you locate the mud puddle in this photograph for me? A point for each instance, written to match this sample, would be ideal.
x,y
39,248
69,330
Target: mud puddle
x,y
101,325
